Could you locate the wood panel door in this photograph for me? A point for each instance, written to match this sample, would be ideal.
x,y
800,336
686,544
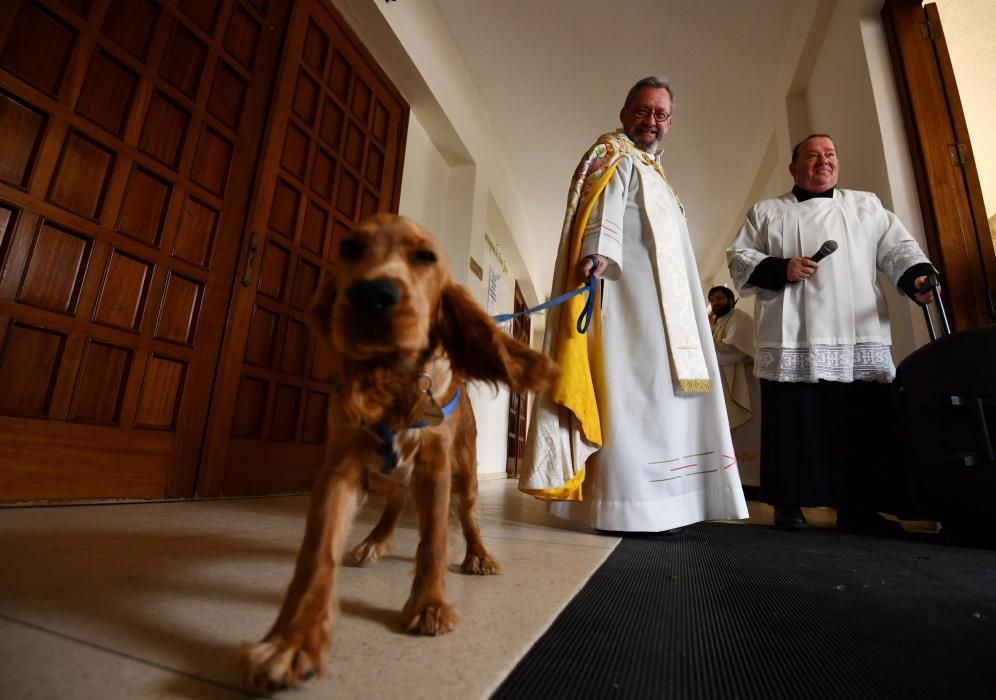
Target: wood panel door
x,y
130,132
950,194
333,155
518,404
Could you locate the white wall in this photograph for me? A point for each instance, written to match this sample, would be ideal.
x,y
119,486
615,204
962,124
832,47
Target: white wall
x,y
970,32
841,103
772,179
425,185
491,404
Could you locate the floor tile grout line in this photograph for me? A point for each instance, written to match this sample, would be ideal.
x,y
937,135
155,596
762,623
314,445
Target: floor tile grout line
x,y
131,657
141,540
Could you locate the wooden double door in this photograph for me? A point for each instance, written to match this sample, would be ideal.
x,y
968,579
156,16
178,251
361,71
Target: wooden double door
x,y
173,174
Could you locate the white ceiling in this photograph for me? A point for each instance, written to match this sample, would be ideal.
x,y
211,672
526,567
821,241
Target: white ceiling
x,y
552,75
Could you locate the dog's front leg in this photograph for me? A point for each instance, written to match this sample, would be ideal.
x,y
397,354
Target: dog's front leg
x,y
292,651
427,611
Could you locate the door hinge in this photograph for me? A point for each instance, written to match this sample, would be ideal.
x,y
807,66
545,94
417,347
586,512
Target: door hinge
x,y
928,30
958,153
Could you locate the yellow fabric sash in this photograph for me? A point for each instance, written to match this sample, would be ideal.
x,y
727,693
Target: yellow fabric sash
x,y
575,390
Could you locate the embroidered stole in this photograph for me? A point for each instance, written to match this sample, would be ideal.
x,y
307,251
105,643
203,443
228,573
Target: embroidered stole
x,y
684,341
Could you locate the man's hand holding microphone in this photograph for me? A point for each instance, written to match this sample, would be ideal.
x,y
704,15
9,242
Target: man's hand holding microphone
x,y
800,268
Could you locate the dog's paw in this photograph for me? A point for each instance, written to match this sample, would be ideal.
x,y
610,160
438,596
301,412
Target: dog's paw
x,y
480,565
431,618
279,664
367,552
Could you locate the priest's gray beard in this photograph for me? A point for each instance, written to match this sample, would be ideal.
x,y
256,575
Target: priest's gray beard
x,y
654,148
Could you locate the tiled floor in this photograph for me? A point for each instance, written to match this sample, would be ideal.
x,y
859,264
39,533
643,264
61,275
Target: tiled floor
x,y
154,600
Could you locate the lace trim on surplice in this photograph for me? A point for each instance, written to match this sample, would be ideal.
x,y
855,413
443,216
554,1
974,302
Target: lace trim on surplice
x,y
835,363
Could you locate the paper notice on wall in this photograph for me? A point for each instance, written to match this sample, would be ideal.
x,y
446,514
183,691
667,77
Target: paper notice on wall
x,y
493,279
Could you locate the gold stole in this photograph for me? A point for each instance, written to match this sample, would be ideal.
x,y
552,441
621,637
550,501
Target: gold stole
x,y
684,341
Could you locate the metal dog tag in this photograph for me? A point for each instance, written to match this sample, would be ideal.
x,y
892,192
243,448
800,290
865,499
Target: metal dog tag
x,y
432,414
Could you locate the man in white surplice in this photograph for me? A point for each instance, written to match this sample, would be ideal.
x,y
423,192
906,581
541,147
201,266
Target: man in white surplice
x,y
634,437
824,342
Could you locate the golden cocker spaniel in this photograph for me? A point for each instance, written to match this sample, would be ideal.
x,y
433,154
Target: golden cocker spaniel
x,y
404,338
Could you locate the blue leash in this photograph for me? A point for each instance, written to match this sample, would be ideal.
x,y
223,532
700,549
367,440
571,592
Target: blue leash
x,y
584,320
389,457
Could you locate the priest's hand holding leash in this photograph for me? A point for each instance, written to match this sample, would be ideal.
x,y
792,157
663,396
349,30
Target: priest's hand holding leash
x,y
587,264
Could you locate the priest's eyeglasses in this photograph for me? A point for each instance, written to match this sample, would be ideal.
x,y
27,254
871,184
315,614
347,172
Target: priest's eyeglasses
x,y
644,112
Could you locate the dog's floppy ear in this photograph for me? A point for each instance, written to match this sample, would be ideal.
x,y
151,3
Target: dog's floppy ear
x,y
321,307
478,348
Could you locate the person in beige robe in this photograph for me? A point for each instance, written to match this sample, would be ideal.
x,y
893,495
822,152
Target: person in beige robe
x,y
733,335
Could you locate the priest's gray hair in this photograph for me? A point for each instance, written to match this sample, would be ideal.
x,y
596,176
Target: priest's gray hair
x,y
652,82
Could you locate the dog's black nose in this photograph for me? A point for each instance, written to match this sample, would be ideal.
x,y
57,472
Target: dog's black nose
x,y
373,297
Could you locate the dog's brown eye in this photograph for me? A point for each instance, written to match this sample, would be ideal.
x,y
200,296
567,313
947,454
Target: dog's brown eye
x,y
425,257
351,249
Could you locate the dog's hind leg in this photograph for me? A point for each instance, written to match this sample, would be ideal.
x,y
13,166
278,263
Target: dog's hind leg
x,y
379,539
292,651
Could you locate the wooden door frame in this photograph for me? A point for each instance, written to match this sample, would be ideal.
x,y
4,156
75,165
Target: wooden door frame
x,y
950,195
515,436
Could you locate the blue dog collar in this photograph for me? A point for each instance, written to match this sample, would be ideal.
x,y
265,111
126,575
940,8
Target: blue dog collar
x,y
389,455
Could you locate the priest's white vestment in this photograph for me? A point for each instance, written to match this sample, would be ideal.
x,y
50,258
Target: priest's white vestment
x,y
666,458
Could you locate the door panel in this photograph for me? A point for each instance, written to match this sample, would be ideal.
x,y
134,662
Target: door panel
x,y
954,214
333,155
131,132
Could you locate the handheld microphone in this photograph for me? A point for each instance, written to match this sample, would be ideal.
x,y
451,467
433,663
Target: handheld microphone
x,y
825,250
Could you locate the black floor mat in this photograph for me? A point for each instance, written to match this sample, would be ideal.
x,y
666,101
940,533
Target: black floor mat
x,y
737,611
